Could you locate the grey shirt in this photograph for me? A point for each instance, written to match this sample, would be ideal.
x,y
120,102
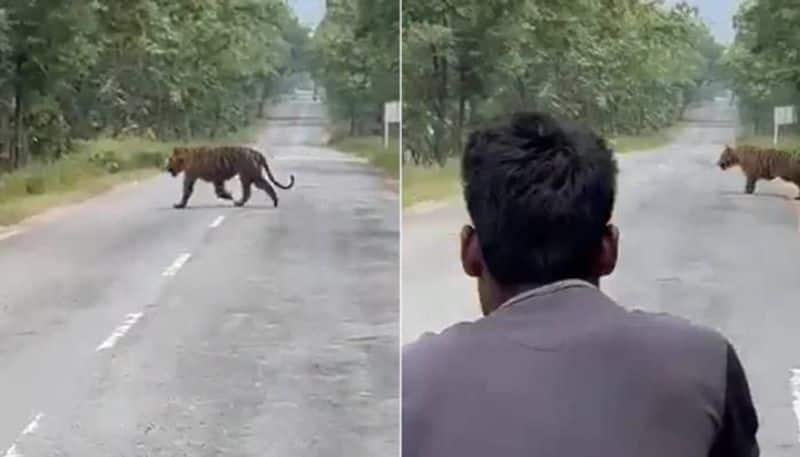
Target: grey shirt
x,y
563,371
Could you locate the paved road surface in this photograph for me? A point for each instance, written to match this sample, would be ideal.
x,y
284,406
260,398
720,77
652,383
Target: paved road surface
x,y
692,245
128,328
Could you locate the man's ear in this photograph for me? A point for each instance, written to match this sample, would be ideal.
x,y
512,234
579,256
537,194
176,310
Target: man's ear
x,y
609,252
471,260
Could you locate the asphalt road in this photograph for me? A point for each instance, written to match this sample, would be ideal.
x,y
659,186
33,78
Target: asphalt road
x,y
692,244
128,328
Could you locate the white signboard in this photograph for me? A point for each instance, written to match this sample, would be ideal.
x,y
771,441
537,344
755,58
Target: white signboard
x,y
784,115
391,115
391,112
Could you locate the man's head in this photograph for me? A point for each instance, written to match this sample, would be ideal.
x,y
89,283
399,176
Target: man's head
x,y
540,193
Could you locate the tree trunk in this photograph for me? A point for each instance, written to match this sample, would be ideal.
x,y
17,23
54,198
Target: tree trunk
x,y
440,69
262,102
217,121
462,105
522,92
379,121
474,109
352,120
19,151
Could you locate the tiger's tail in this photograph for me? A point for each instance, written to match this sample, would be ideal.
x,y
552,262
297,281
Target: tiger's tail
x,y
263,162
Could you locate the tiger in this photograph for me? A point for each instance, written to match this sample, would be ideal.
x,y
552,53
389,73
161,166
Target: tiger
x,y
758,163
217,164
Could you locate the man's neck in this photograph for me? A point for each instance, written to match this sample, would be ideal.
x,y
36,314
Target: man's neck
x,y
502,294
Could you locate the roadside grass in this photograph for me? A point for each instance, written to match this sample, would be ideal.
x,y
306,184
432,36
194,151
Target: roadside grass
x,y
371,148
430,183
93,167
434,183
16,209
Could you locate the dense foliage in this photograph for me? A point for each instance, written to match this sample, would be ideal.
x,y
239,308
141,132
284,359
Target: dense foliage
x,y
623,66
356,60
764,62
158,68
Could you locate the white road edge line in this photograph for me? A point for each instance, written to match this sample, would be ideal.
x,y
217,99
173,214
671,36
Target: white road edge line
x,y
217,222
795,381
9,234
172,270
130,320
30,428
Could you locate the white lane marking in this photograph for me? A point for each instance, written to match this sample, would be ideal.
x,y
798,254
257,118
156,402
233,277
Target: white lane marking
x,y
172,270
33,425
130,320
217,221
30,428
795,381
9,234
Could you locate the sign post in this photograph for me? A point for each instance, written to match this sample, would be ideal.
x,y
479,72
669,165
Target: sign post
x,y
391,115
784,115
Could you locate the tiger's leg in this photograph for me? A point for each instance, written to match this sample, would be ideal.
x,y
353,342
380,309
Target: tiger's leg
x,y
262,184
246,183
188,188
219,189
750,187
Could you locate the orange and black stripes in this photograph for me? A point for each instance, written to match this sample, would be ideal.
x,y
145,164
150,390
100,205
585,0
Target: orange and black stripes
x,y
218,164
760,163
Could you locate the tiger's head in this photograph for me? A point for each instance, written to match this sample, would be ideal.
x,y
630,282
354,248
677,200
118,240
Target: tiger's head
x,y
728,158
177,161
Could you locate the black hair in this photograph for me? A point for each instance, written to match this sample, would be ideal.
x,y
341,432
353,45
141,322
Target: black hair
x,y
540,192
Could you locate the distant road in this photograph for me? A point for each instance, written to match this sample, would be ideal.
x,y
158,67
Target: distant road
x,y
692,244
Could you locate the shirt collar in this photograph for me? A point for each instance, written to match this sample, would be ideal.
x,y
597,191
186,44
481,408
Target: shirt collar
x,y
546,290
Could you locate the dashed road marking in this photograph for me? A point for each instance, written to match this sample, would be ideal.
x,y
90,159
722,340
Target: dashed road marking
x,y
13,451
130,320
172,270
795,381
217,222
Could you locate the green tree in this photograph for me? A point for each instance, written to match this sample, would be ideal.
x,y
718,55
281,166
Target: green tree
x,y
763,64
158,68
356,60
622,66
47,46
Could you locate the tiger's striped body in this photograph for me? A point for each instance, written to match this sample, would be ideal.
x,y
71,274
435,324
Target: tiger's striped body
x,y
757,163
218,164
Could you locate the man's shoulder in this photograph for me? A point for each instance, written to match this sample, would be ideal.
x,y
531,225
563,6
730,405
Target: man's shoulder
x,y
449,339
672,330
433,351
636,324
